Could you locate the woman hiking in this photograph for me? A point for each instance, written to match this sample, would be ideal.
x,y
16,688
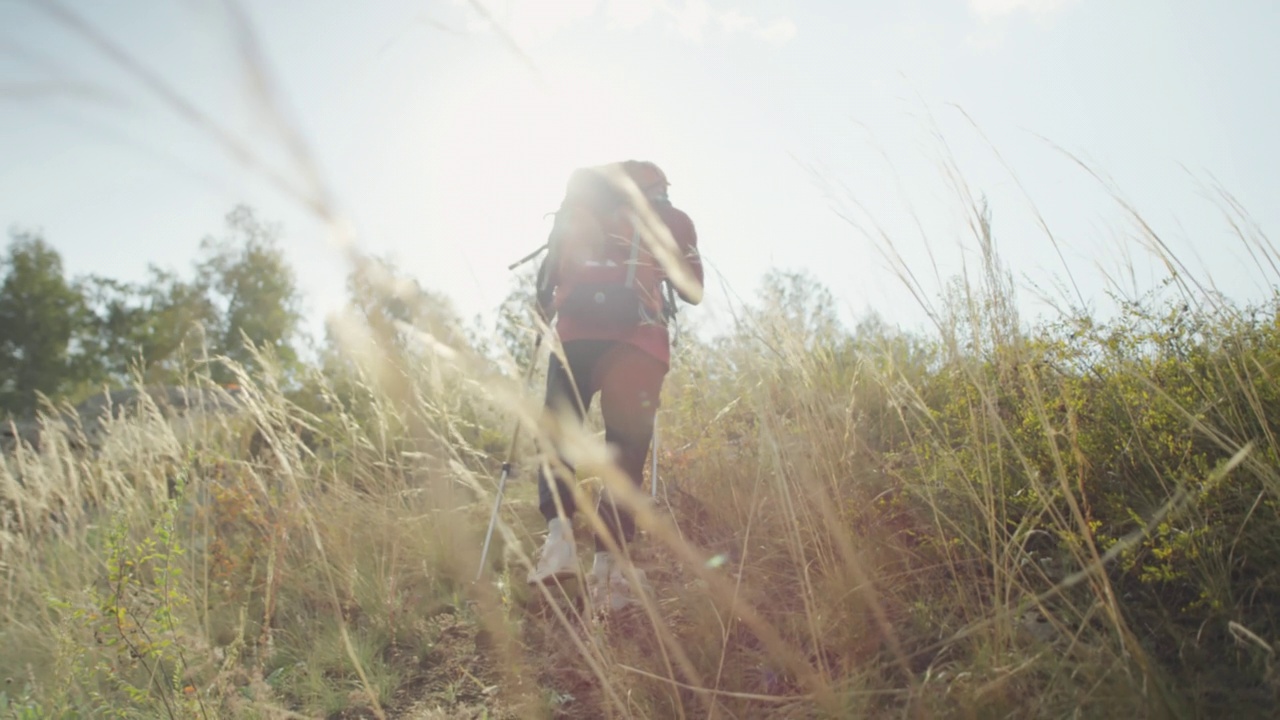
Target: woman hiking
x,y
605,289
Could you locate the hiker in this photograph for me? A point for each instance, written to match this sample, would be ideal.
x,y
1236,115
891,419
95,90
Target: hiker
x,y
605,290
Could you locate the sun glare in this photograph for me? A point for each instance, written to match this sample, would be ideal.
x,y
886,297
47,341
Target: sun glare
x,y
508,142
571,118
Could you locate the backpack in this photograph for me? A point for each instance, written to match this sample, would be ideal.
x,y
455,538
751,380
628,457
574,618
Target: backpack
x,y
604,276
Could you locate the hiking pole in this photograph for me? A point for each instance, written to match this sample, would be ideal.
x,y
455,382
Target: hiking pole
x,y
528,258
506,465
653,474
669,310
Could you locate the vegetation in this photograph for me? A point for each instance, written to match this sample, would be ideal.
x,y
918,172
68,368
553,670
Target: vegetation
x,y
1070,518
66,338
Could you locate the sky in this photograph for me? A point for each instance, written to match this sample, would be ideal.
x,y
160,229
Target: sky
x,y
797,135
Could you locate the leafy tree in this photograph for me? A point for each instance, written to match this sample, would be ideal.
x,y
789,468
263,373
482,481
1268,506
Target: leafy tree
x,y
798,301
65,338
794,316
146,326
112,331
254,293
381,296
179,311
515,327
389,301
39,315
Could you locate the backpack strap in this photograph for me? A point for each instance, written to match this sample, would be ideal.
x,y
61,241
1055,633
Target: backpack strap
x,y
634,259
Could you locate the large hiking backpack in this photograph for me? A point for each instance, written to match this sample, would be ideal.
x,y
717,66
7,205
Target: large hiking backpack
x,y
604,275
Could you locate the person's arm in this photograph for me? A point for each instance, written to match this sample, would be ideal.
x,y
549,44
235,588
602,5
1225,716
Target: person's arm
x,y
686,237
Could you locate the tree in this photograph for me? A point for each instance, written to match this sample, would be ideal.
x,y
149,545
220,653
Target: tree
x,y
143,326
515,326
795,313
180,314
40,313
254,293
387,302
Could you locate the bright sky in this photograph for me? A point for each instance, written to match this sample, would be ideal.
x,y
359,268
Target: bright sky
x,y
444,147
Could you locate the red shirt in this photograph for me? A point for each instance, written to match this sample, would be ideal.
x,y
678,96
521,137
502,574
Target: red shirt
x,y
652,339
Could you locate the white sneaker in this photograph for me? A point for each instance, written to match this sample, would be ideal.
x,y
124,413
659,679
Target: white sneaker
x,y
558,558
609,587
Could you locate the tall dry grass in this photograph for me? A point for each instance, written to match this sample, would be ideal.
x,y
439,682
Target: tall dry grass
x,y
1000,520
996,519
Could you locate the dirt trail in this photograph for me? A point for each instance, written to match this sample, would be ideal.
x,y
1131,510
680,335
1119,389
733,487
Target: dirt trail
x,y
461,677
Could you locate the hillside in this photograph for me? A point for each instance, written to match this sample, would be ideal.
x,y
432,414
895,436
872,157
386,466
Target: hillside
x,y
1070,519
